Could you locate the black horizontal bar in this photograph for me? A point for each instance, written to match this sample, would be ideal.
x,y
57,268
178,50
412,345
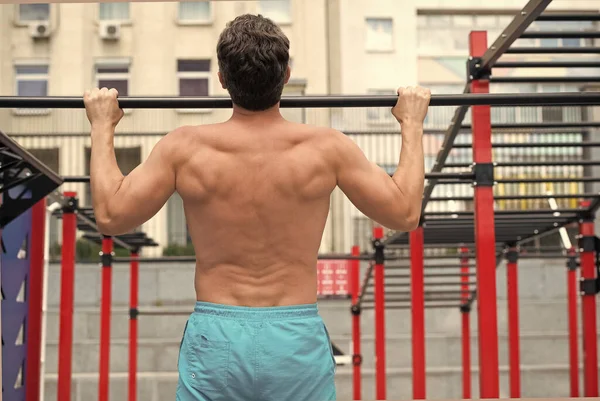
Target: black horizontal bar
x,y
560,35
431,275
467,175
534,145
553,50
409,306
519,197
496,99
166,312
544,80
427,266
508,212
548,64
556,163
429,283
569,17
544,125
408,299
546,180
83,178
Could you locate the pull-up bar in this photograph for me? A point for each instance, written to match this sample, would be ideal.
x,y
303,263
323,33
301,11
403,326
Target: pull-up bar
x,y
466,99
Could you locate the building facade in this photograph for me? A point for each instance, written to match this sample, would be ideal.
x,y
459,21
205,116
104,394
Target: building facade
x,y
337,47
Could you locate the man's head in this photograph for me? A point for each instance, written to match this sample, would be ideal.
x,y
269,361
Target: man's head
x,y
253,56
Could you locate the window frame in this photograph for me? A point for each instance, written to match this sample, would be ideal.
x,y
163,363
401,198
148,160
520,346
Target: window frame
x,y
285,22
30,77
194,75
127,21
19,22
184,22
113,63
392,48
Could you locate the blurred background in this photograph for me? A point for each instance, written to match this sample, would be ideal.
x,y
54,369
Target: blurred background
x,y
337,47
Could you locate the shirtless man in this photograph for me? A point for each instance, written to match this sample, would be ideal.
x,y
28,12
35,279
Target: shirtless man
x,y
256,192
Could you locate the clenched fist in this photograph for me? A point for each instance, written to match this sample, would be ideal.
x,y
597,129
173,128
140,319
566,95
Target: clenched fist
x,y
412,105
102,107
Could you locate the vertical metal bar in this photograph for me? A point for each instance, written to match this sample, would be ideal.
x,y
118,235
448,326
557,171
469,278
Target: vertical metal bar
x,y
485,236
133,325
35,296
466,325
588,303
513,322
356,355
380,379
417,284
105,304
573,324
67,290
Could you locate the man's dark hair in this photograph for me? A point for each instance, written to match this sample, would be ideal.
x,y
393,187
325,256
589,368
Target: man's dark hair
x,y
253,55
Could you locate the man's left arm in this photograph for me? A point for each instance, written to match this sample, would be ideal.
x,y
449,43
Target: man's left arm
x,y
122,203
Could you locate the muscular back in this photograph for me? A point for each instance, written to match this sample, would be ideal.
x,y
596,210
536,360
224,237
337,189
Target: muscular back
x,y
256,199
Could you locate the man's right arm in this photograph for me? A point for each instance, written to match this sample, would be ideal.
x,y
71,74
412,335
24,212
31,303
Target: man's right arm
x,y
394,202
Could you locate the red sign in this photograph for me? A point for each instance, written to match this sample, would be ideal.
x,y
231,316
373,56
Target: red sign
x,y
332,277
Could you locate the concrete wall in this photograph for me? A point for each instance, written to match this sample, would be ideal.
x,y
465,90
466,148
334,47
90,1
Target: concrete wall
x,y
543,322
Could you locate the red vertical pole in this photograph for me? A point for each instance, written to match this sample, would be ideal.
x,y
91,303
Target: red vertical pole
x,y
356,355
417,289
380,379
67,290
105,303
573,329
588,303
466,325
513,322
133,314
485,236
35,296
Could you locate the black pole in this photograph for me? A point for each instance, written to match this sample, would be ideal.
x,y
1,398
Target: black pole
x,y
561,35
547,64
533,164
517,99
553,50
535,145
518,197
569,17
518,126
541,80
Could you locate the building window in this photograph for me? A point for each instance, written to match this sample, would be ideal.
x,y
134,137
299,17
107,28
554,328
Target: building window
x,y
194,11
114,11
113,75
34,12
277,10
564,26
31,80
194,77
379,35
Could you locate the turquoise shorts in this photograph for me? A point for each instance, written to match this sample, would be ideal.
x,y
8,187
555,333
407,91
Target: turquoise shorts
x,y
255,354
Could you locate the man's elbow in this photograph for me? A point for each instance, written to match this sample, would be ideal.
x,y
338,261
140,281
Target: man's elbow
x,y
108,225
407,221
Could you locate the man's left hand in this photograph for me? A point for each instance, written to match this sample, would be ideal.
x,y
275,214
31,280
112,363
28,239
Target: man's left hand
x,y
102,108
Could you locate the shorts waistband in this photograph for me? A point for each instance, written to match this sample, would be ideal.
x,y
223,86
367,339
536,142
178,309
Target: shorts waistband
x,y
257,313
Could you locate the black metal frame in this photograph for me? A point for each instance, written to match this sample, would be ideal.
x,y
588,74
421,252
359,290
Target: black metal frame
x,y
22,173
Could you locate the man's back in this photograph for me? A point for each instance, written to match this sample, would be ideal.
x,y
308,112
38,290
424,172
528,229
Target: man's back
x,y
256,197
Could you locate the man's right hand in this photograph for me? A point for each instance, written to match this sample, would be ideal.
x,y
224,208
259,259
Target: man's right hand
x,y
412,105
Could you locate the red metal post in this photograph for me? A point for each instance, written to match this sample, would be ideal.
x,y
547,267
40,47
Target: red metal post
x,y
573,329
133,314
67,290
105,303
466,325
513,322
356,355
417,289
380,379
35,296
588,303
485,236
